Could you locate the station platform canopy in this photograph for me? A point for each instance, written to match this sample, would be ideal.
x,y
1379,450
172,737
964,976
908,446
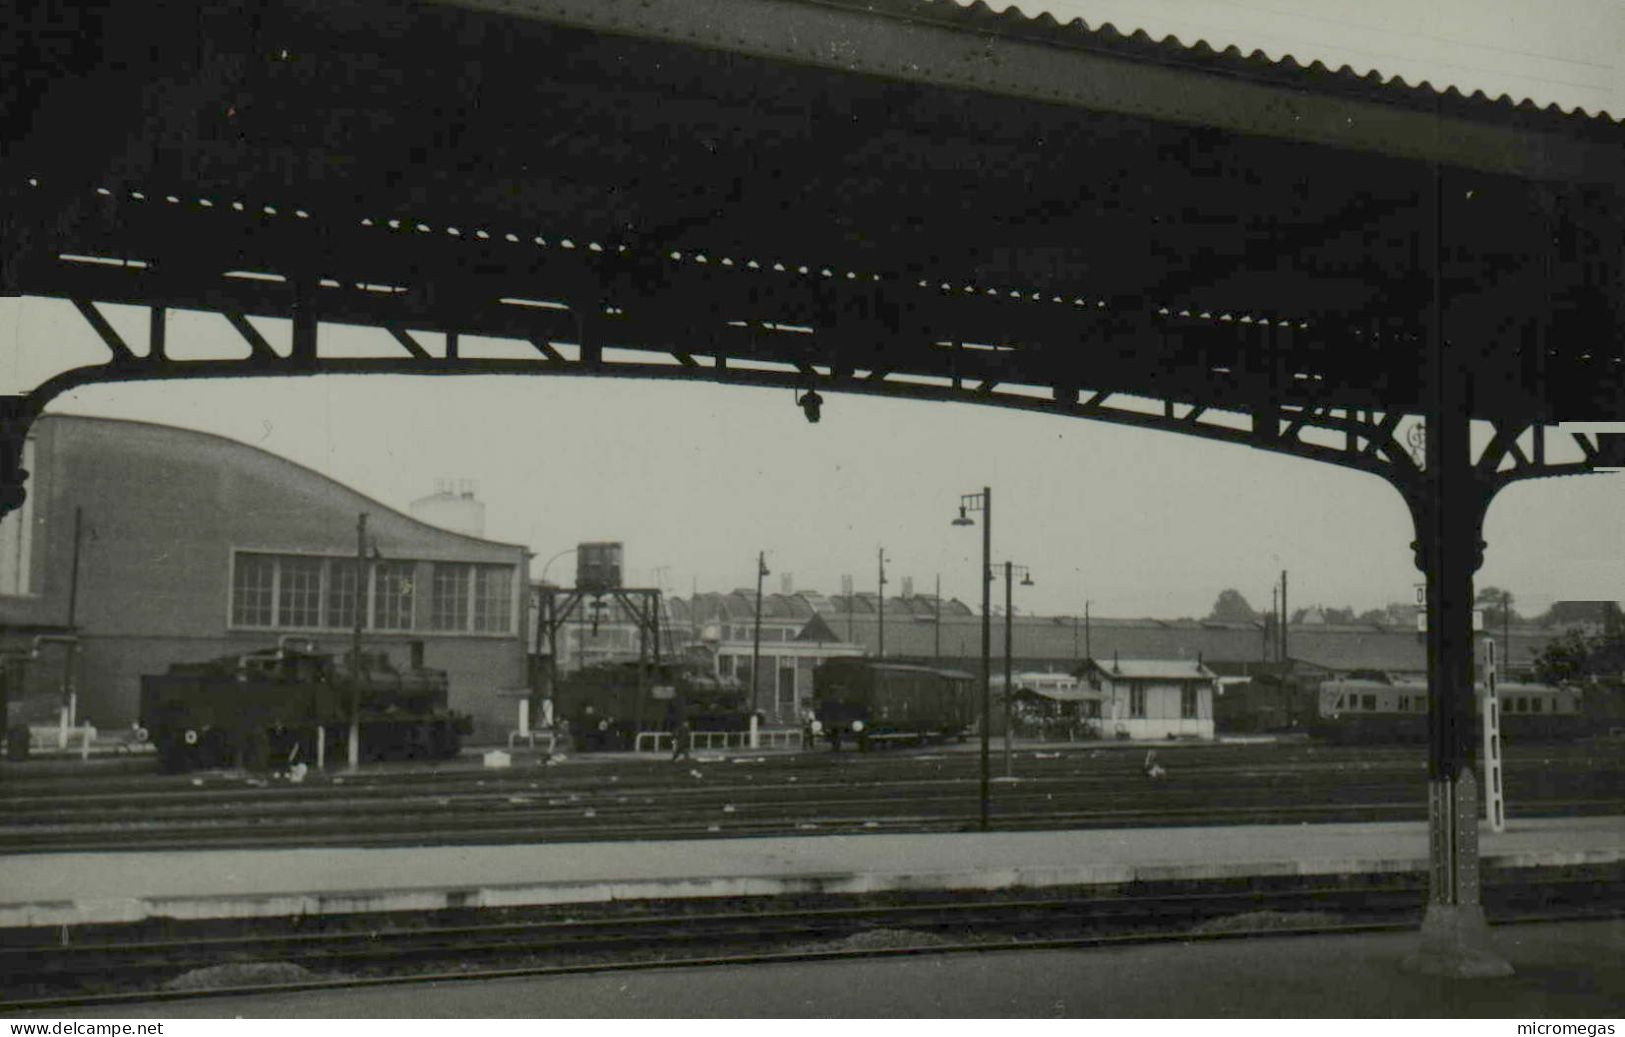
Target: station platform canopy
x,y
902,189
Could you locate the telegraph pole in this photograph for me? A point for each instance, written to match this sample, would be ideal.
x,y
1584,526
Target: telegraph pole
x,y
1009,688
1285,618
881,555
756,638
987,637
1275,615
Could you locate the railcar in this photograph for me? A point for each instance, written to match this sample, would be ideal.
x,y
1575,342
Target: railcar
x,y
272,708
607,704
870,701
1368,710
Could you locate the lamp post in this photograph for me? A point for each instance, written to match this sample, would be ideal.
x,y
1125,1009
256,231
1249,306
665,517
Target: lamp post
x,y
1009,690
756,637
354,748
983,502
881,648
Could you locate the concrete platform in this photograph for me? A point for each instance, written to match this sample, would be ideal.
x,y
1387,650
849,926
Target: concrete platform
x,y
89,888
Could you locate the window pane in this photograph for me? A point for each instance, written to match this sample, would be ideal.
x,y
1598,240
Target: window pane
x,y
449,607
392,595
251,586
341,593
493,599
299,603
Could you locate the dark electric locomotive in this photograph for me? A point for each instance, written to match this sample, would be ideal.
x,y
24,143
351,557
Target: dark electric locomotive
x,y
1375,711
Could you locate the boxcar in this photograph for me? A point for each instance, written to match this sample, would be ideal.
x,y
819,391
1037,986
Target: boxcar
x,y
867,700
1371,711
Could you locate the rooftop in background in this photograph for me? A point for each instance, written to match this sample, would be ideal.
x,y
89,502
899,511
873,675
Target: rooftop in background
x,y
1150,669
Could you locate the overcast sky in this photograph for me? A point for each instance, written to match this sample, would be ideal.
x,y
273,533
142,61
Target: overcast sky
x,y
696,478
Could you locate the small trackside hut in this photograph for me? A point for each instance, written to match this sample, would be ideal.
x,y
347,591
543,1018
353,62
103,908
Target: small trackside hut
x,y
1153,698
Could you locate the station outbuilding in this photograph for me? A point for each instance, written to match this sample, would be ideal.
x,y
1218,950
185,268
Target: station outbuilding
x,y
1153,698
142,545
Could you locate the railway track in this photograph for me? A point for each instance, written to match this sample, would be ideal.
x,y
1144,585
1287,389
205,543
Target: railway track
x,y
361,950
641,799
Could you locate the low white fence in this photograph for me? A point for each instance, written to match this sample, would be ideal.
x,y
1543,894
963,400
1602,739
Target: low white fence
x,y
661,741
532,736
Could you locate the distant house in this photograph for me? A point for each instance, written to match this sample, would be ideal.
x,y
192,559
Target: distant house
x,y
1152,698
795,640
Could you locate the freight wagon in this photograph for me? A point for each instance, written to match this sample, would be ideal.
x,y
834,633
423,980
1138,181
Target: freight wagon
x,y
868,701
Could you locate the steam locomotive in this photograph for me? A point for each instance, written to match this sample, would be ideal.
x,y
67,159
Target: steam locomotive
x,y
271,707
607,704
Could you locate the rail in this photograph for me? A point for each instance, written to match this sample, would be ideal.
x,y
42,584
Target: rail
x,y
660,741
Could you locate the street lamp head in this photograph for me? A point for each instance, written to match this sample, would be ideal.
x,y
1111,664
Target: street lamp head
x,y
1027,579
964,519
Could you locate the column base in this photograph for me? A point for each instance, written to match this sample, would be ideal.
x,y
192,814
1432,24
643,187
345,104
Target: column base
x,y
1455,944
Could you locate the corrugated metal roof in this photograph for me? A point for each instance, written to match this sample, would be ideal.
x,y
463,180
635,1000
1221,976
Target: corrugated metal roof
x,y
1370,84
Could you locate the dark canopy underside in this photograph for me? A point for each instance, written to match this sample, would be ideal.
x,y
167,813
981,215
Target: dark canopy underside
x,y
1126,216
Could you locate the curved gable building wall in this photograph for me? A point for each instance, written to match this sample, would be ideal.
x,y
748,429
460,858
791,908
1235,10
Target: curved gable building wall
x,y
173,518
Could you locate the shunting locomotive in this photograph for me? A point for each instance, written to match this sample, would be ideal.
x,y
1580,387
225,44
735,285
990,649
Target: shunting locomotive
x,y
273,707
606,705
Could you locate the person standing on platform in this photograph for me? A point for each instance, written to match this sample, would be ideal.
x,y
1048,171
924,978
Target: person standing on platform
x,y
682,734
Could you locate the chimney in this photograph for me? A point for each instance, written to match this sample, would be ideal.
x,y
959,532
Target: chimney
x,y
1115,667
908,586
787,583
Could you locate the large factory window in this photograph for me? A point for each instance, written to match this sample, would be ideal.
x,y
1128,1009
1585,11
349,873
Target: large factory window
x,y
1187,702
1136,700
468,597
392,595
300,592
341,593
253,590
493,599
449,608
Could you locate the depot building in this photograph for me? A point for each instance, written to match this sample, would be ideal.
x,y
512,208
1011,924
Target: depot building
x,y
143,545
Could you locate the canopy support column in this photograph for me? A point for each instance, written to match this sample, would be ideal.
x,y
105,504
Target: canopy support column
x,y
1449,515
1448,500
